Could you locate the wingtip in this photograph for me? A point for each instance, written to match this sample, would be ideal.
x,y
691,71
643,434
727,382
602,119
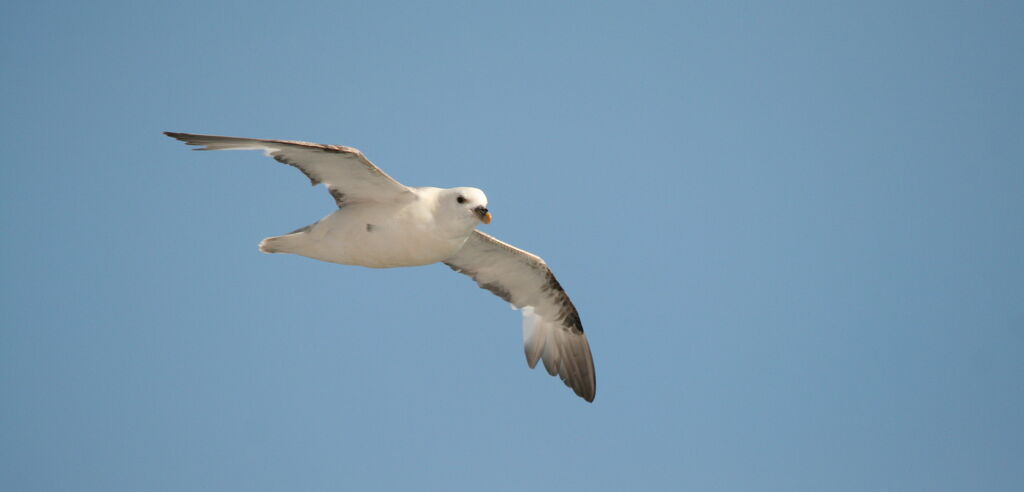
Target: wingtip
x,y
178,136
587,393
190,139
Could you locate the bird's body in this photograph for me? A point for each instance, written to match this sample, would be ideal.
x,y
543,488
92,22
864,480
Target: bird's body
x,y
388,235
381,223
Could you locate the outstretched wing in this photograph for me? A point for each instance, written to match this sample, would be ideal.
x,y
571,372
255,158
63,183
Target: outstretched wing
x,y
350,177
552,331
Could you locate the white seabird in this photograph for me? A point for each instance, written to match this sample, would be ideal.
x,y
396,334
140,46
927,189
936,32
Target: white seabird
x,y
381,223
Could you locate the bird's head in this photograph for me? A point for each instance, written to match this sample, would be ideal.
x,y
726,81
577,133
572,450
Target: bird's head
x,y
469,203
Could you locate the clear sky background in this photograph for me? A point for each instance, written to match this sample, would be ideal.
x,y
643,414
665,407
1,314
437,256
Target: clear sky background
x,y
794,231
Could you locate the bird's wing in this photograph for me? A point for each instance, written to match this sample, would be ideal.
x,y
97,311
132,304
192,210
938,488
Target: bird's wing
x,y
349,176
552,331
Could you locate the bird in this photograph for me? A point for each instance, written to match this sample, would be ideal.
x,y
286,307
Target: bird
x,y
381,223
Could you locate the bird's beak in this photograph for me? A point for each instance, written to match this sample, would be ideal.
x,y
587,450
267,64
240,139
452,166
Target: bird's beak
x,y
485,216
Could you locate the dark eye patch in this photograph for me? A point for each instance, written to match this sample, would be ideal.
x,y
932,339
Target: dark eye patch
x,y
461,199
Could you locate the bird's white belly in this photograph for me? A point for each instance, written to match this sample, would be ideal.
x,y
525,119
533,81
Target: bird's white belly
x,y
378,238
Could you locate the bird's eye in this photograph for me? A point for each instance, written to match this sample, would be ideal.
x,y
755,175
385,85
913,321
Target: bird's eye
x,y
461,199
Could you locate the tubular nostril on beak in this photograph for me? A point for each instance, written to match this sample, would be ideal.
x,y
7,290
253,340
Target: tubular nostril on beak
x,y
485,216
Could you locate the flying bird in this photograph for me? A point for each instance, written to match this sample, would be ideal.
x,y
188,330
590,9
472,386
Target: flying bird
x,y
381,223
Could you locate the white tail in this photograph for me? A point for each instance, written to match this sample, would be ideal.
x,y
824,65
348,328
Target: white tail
x,y
289,243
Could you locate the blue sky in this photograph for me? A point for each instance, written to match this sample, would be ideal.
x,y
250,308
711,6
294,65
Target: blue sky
x,y
793,232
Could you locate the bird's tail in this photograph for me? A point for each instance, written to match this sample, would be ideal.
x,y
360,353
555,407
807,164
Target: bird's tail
x,y
288,243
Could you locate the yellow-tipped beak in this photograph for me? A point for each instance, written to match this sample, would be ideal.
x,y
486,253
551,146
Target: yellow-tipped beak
x,y
486,218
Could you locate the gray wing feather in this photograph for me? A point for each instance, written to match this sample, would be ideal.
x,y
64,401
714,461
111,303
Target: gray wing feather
x,y
552,331
350,177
